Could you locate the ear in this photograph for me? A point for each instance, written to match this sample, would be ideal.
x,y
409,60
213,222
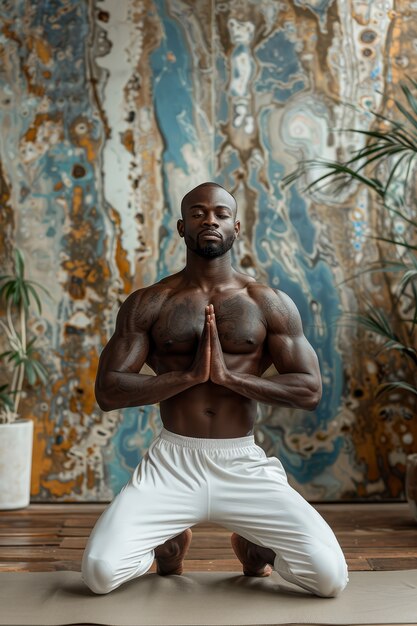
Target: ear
x,y
237,229
180,228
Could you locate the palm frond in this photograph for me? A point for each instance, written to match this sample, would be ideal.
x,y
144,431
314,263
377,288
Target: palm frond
x,y
341,168
386,387
376,321
406,114
408,276
395,168
401,214
410,99
403,244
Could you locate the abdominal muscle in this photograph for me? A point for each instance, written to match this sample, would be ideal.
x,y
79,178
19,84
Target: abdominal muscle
x,y
209,411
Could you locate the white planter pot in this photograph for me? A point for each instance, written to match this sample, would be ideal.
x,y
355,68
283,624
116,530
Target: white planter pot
x,y
16,442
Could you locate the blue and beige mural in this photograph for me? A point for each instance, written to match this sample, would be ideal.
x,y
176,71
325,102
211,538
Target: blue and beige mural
x,y
112,110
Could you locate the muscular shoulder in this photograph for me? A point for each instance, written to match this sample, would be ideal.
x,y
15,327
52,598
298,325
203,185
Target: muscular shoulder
x,y
280,312
140,310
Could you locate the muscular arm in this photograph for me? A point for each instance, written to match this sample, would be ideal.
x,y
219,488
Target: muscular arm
x,y
118,382
298,383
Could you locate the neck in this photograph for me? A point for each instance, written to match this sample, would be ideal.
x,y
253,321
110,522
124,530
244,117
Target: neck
x,y
208,273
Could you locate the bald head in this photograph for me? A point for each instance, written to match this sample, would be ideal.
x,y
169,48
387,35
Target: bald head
x,y
188,198
208,225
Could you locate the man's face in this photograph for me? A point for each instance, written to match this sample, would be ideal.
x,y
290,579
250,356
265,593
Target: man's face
x,y
208,224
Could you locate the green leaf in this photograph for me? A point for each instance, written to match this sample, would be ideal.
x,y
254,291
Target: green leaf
x,y
407,114
376,321
20,264
25,297
376,268
410,98
395,242
9,293
35,296
39,286
386,387
408,276
414,323
40,371
6,397
394,169
400,347
404,217
6,286
30,372
30,344
405,138
363,153
338,168
382,155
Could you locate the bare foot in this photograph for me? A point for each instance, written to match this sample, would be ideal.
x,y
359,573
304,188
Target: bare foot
x,y
256,560
170,555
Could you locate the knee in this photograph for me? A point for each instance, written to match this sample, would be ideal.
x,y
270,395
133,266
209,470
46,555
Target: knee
x,y
323,573
331,575
97,575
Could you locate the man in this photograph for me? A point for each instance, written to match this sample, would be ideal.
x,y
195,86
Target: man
x,y
209,333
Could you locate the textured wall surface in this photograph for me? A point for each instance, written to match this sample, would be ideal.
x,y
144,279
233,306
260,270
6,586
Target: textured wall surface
x,y
112,110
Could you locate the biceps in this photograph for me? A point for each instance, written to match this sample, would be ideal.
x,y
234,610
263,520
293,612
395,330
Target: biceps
x,y
125,353
293,355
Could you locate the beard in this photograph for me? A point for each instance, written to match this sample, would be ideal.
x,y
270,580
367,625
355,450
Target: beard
x,y
211,249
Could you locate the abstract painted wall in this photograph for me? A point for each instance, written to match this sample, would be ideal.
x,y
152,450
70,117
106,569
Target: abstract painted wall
x,y
110,112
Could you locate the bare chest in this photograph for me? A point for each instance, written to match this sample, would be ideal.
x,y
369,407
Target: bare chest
x,y
180,324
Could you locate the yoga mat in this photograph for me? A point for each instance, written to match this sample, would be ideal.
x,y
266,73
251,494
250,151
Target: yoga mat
x,y
205,598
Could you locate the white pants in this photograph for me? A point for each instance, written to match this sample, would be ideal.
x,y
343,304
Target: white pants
x,y
185,480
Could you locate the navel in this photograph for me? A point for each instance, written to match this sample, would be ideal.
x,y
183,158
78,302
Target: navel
x,y
209,412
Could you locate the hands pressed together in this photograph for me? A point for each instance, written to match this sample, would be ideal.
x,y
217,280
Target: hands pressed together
x,y
209,363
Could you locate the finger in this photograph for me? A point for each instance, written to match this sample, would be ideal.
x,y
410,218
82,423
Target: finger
x,y
214,336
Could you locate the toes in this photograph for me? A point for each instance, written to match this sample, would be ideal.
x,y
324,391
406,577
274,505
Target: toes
x,y
170,556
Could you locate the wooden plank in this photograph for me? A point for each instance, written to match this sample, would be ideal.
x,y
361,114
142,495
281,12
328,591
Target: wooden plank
x,y
80,522
358,565
74,542
397,563
38,553
74,532
30,532
372,535
29,541
40,566
56,508
396,539
373,552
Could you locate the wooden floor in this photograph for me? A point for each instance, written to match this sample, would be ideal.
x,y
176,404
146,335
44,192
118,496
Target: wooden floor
x,y
48,537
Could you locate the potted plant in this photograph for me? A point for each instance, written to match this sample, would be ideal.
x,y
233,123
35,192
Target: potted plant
x,y
386,167
20,365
